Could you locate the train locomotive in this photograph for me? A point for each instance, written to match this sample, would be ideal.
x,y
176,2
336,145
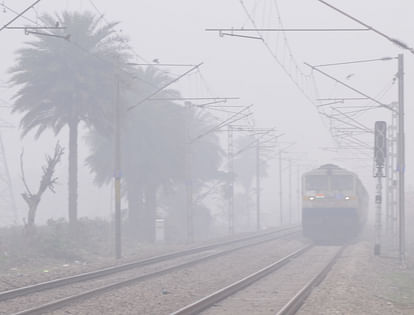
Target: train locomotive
x,y
335,204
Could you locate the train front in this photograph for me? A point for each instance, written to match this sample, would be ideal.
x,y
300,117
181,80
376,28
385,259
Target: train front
x,y
331,208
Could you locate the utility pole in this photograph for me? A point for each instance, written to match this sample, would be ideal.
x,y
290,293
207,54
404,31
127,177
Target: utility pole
x,y
388,182
188,159
394,174
230,152
257,144
299,198
290,191
117,174
401,158
7,201
391,176
258,187
189,139
378,215
280,188
188,175
380,155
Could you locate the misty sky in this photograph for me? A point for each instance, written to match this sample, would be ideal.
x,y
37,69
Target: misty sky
x,y
173,32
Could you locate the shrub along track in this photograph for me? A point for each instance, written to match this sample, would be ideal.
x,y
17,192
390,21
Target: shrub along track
x,y
191,256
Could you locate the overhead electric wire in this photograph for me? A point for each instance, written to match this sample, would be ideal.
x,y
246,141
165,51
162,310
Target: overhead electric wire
x,y
147,62
86,51
302,81
92,3
113,64
275,57
19,15
391,39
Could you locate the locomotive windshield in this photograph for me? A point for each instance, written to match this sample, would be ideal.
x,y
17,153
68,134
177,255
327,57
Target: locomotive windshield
x,y
317,182
342,182
333,182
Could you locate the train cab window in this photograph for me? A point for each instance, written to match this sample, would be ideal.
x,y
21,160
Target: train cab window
x,y
342,182
317,182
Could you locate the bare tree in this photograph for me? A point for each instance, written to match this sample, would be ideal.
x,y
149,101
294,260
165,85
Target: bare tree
x,y
48,181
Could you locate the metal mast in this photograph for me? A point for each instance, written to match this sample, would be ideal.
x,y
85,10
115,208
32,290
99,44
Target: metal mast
x,y
290,191
117,174
401,158
280,188
7,201
258,187
188,174
230,152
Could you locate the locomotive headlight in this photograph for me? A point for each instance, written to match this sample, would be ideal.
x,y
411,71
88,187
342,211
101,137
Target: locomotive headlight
x,y
311,198
347,198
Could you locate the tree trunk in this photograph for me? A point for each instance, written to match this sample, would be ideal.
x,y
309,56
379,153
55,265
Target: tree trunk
x,y
31,216
73,172
33,203
32,213
135,208
150,212
146,223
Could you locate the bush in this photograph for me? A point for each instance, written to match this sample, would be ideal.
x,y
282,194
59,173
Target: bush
x,y
54,240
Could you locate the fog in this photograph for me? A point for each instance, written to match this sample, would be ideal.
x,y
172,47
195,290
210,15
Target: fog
x,y
174,32
215,157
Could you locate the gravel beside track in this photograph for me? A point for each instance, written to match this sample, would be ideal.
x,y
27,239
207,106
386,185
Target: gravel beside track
x,y
359,284
31,274
232,244
172,291
271,293
17,304
35,272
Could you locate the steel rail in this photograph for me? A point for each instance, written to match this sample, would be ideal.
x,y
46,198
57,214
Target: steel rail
x,y
67,300
210,300
52,284
299,299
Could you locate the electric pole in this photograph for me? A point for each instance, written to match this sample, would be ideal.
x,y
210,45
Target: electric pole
x,y
188,175
401,158
258,187
117,174
378,212
380,155
7,201
394,174
299,198
391,175
290,191
280,187
230,152
258,145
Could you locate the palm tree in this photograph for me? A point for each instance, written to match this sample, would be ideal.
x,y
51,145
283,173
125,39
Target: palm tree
x,y
152,150
63,83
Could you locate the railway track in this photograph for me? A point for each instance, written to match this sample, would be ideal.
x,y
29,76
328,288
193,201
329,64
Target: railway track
x,y
192,256
285,305
299,299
